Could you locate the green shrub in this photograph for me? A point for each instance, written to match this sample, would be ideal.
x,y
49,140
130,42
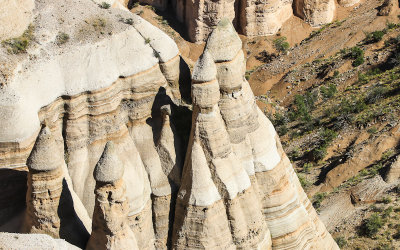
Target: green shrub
x,y
318,199
341,241
358,61
281,44
387,212
357,54
375,94
19,44
147,40
304,105
127,21
328,92
307,167
373,224
326,136
362,78
303,181
391,26
62,38
372,130
104,5
386,200
336,73
282,130
375,36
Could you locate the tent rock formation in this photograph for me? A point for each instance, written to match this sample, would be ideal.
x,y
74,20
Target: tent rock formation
x,y
142,190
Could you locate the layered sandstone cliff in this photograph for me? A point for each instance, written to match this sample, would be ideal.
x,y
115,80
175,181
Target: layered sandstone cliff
x,y
122,81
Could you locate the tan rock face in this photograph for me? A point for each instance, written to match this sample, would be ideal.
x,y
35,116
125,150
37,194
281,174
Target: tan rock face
x,y
250,17
261,18
110,229
49,203
234,187
388,7
315,12
393,173
348,3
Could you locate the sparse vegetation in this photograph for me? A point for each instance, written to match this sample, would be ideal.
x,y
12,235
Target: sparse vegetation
x,y
341,241
375,36
303,181
127,20
357,54
372,225
99,24
281,44
19,44
104,5
329,91
307,167
62,38
326,136
318,199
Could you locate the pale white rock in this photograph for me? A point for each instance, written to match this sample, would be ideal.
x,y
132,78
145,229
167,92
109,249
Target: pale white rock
x,y
204,69
203,191
123,53
109,168
223,43
15,17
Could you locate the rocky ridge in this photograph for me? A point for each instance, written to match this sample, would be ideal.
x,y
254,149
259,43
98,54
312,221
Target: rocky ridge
x,y
104,145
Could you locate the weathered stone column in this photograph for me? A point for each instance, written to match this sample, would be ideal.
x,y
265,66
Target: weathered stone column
x,y
45,182
49,204
110,229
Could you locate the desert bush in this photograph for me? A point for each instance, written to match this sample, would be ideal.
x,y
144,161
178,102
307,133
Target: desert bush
x,y
329,91
375,94
341,241
386,200
104,5
281,44
372,225
304,104
375,36
318,199
266,57
303,181
19,44
357,54
326,136
62,38
307,167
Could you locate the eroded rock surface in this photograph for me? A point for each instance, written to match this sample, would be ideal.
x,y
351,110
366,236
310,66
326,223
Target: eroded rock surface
x,y
121,81
110,229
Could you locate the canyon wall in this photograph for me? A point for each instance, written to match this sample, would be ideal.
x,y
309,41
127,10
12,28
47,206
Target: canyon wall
x,y
118,144
250,17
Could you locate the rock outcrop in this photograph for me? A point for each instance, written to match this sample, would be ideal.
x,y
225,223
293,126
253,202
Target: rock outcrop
x,y
348,3
121,81
49,203
393,173
261,18
250,18
211,210
110,229
315,12
388,7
